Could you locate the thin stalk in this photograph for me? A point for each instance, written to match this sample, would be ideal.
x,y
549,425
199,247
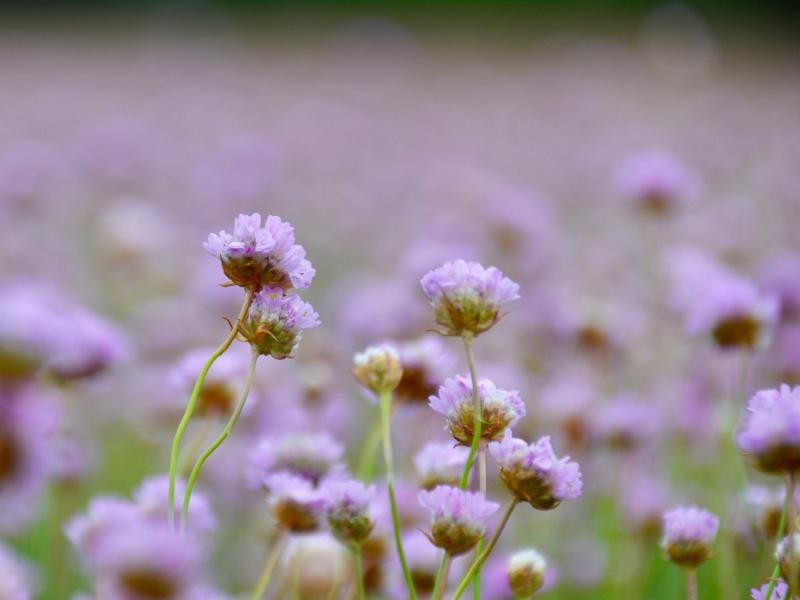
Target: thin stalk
x,y
386,434
190,406
790,505
358,571
366,460
226,432
441,577
691,584
776,570
475,567
476,585
269,566
478,411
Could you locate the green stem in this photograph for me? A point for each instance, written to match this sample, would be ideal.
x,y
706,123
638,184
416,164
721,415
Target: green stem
x,y
190,406
477,408
441,577
386,434
366,460
476,582
226,432
269,566
358,571
776,570
475,567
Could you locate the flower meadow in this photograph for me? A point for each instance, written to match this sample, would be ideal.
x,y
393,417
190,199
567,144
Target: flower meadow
x,y
383,317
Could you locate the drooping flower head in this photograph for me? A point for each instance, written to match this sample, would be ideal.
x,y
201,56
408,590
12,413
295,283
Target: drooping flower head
x,y
295,503
440,463
689,534
534,474
378,368
501,409
255,257
275,322
526,572
347,504
466,297
425,363
312,456
458,517
770,430
655,181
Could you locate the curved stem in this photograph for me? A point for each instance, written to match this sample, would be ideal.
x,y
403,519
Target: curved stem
x,y
386,434
269,566
477,408
691,584
776,570
198,465
358,571
190,406
485,554
441,577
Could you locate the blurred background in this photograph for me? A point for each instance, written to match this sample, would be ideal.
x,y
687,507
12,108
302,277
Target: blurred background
x,y
395,136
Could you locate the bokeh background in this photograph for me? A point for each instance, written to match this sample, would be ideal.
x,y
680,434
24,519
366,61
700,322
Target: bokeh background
x,y
394,137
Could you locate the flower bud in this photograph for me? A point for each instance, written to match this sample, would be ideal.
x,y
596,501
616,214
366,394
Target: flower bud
x,y
347,504
526,573
378,368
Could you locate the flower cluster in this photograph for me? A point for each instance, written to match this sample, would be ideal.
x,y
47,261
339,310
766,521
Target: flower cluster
x,y
275,322
770,431
458,518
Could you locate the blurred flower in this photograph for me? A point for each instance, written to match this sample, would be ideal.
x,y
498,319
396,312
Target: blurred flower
x,y
787,553
770,430
689,535
778,593
626,423
256,257
425,362
104,515
766,506
458,518
526,572
151,500
378,368
466,297
655,181
780,276
501,409
440,463
295,503
347,503
534,474
315,565
275,323
18,581
423,561
312,456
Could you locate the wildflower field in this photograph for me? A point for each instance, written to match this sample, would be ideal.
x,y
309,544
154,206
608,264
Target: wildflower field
x,y
392,307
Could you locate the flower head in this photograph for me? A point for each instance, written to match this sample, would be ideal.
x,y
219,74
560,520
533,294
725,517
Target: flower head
x,y
347,504
440,463
770,430
312,456
18,581
254,256
295,503
151,500
425,363
526,572
466,297
378,368
655,180
458,518
275,322
534,474
778,593
689,534
501,409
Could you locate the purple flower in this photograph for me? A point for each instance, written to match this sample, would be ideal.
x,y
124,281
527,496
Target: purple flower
x,y
733,312
255,256
312,456
656,181
626,423
423,560
765,506
779,592
466,297
151,500
770,430
275,322
501,409
534,474
347,504
378,368
146,562
28,332
18,581
689,534
440,463
295,502
458,517
104,515
781,277
425,363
